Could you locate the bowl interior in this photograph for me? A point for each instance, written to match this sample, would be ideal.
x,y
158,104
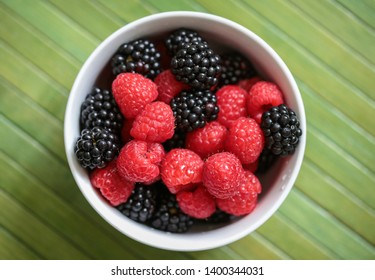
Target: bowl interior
x,y
221,34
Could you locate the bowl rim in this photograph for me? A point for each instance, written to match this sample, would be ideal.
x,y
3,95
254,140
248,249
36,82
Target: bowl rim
x,y
144,234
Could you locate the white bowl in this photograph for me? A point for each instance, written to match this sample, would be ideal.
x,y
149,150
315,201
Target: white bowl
x,y
222,32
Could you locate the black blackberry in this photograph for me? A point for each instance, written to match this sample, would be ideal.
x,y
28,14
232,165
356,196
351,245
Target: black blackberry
x,y
177,141
169,217
196,65
100,110
219,217
192,109
265,161
281,130
138,56
141,204
235,67
96,147
179,38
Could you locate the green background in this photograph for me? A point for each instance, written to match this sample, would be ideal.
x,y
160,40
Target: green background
x,y
328,45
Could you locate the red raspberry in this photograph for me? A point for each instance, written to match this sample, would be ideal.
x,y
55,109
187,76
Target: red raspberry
x,y
231,100
180,169
132,93
245,139
222,174
252,167
207,140
168,86
245,200
112,186
262,96
154,124
139,161
248,83
198,203
125,130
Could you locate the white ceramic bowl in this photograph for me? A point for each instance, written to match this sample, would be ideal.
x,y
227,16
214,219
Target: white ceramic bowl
x,y
220,32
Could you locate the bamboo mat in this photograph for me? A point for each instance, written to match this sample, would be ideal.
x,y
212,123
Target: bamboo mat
x,y
328,46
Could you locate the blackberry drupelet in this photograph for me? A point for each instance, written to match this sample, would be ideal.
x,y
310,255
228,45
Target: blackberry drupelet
x,y
193,108
169,217
100,110
179,38
235,67
138,56
96,147
281,130
177,141
141,204
196,65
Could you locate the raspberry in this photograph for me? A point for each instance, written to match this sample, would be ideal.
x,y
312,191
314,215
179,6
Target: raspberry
x,y
113,187
246,84
154,124
199,203
139,161
245,200
245,139
180,169
231,100
262,96
207,140
222,174
132,93
168,86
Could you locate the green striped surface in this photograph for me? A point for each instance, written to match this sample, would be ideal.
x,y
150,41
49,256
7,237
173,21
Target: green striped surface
x,y
328,46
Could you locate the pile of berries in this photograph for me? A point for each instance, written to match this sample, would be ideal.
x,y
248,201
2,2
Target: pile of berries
x,y
172,146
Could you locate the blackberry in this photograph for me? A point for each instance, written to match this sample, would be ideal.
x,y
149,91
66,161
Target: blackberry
x,y
169,217
96,147
192,109
141,204
196,65
219,217
235,67
179,38
265,161
177,141
281,130
138,56
100,110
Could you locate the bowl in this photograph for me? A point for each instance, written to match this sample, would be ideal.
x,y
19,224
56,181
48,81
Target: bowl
x,y
221,33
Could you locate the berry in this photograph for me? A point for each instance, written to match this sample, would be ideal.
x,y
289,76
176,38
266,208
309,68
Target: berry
x,y
141,204
235,67
198,203
281,129
180,169
132,93
245,200
138,56
168,216
125,130
207,140
219,217
112,186
246,84
177,141
196,65
192,109
265,161
222,174
139,161
100,109
96,147
262,96
245,139
231,100
154,124
179,38
168,86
